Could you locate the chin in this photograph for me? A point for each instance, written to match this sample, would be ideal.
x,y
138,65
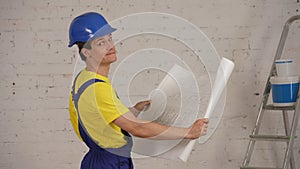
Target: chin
x,y
110,58
113,60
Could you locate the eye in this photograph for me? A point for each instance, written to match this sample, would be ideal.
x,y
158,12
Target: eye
x,y
110,39
101,43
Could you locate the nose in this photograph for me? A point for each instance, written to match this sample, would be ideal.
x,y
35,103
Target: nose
x,y
110,45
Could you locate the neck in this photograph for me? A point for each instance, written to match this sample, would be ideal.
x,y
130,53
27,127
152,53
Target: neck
x,y
102,69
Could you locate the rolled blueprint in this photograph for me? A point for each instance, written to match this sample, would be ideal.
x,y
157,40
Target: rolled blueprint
x,y
224,71
175,102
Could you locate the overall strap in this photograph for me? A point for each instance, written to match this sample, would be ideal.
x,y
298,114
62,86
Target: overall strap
x,y
81,89
76,97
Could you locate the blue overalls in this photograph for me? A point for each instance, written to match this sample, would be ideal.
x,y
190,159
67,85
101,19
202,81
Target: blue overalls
x,y
98,157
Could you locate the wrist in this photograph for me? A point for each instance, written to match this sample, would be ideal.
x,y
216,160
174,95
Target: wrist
x,y
135,111
188,135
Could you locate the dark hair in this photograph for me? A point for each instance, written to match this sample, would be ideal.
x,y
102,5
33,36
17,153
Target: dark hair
x,y
83,45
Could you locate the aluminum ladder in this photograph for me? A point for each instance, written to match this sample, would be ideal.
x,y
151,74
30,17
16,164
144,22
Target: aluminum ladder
x,y
290,130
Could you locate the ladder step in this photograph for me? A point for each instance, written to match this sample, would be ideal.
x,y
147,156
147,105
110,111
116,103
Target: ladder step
x,y
272,107
249,167
270,137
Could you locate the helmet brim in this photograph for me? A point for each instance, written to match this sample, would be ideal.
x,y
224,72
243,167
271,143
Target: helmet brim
x,y
105,30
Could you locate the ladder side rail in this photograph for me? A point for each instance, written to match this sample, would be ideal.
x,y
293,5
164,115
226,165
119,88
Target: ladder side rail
x,y
256,127
282,41
287,129
292,134
284,36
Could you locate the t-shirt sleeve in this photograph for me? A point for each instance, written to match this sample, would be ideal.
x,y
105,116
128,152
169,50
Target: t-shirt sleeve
x,y
108,103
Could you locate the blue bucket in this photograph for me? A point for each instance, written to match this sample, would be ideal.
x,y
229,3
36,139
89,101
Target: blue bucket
x,y
284,90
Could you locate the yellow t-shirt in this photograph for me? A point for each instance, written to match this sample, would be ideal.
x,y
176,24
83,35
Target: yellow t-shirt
x,y
98,107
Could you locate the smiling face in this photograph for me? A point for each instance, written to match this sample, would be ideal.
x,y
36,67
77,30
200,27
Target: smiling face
x,y
102,50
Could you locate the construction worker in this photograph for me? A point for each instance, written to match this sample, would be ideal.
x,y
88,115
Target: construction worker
x,y
97,114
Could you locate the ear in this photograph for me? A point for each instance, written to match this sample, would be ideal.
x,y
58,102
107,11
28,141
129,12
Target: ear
x,y
86,52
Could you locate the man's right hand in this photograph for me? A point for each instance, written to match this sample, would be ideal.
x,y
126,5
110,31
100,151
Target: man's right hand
x,y
198,129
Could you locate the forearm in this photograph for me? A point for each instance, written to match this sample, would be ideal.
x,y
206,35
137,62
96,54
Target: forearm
x,y
157,131
152,130
148,129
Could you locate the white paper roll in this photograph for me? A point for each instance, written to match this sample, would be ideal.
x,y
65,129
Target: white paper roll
x,y
178,88
224,71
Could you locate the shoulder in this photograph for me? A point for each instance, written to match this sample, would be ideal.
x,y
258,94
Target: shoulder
x,y
103,85
104,90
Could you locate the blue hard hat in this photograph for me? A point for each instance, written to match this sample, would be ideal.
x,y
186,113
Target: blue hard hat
x,y
88,26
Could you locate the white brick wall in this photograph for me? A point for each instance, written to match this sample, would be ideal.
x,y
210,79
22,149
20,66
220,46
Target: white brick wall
x,y
36,70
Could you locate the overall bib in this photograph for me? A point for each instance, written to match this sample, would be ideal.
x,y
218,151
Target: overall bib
x,y
98,157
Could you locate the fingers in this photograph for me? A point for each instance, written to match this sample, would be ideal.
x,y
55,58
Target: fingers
x,y
202,125
204,129
142,105
147,102
205,120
